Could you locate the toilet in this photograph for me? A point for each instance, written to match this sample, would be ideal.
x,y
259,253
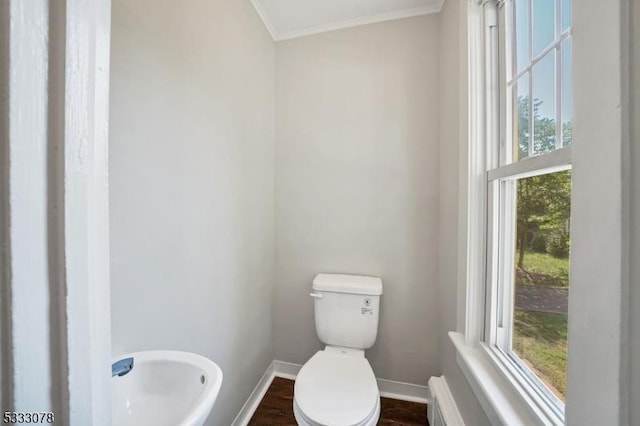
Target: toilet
x,y
337,386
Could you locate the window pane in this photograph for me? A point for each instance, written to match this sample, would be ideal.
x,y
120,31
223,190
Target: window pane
x,y
566,14
567,93
544,104
522,33
539,333
521,128
544,25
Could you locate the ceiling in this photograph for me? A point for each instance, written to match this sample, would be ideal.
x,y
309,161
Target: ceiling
x,y
287,19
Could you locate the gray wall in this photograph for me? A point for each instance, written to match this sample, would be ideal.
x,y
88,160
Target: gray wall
x,y
370,128
191,165
357,185
453,140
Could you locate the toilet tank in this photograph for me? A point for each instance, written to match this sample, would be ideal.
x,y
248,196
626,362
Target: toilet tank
x,y
346,309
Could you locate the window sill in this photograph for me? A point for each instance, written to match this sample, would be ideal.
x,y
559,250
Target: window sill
x,y
503,400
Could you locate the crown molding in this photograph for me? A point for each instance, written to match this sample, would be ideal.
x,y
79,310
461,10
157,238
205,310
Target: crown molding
x,y
318,29
257,5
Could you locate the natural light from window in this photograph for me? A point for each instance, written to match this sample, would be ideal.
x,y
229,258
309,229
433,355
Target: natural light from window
x,y
530,197
542,276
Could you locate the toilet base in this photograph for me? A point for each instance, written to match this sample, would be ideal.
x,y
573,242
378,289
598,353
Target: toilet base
x,y
301,420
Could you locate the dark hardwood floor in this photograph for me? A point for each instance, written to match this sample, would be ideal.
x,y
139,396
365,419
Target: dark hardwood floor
x,y
276,408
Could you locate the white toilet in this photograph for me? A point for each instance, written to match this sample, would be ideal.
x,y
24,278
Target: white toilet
x,y
337,385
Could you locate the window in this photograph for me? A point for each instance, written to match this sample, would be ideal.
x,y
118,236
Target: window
x,y
528,193
514,143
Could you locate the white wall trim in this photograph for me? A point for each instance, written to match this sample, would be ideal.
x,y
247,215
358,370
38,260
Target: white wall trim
x,y
86,210
476,184
30,378
317,29
257,5
403,391
56,326
287,370
251,405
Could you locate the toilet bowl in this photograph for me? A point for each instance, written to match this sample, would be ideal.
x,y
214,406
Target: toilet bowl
x,y
336,387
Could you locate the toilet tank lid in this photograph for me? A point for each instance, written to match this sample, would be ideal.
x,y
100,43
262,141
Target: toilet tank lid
x,y
352,284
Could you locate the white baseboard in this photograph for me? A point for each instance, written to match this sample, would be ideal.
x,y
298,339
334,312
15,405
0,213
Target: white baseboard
x,y
286,370
251,405
388,389
403,391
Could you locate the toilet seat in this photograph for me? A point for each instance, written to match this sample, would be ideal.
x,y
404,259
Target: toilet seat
x,y
336,389
302,420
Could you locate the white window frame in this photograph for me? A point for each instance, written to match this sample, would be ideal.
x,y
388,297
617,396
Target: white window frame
x,y
598,330
501,177
508,391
